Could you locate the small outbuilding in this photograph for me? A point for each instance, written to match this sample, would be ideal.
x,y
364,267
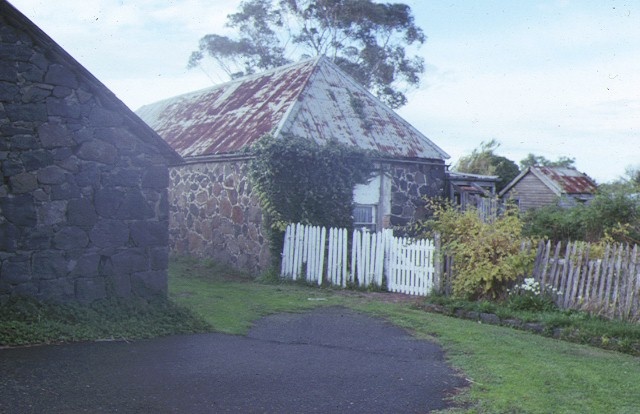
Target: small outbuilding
x,y
215,213
83,195
542,186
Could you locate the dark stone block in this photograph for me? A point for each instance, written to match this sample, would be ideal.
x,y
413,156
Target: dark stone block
x,y
62,91
62,76
98,151
81,212
8,72
159,258
149,284
69,238
19,210
8,91
52,212
34,160
23,142
156,178
58,290
150,233
108,201
35,93
16,270
130,261
100,116
85,265
14,51
62,108
88,176
134,207
12,167
30,112
490,318
36,238
23,183
66,190
30,72
52,175
53,135
121,177
90,289
109,233
119,285
9,235
49,264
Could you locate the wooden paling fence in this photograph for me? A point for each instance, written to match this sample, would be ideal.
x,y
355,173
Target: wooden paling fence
x,y
379,259
607,283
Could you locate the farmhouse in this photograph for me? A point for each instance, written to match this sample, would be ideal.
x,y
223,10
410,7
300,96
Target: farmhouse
x,y
541,186
214,212
83,196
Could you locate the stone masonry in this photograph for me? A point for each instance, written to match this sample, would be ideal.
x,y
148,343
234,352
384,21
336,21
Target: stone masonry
x,y
83,190
214,214
411,182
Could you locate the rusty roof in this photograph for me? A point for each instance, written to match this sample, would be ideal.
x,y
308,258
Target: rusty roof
x,y
312,98
567,180
560,180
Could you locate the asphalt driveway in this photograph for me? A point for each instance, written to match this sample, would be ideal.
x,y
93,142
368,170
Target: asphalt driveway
x,y
330,360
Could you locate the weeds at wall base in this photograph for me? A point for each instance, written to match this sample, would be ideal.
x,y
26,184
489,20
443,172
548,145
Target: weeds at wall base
x,y
26,321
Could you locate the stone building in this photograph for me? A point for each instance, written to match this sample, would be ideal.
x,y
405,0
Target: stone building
x,y
214,212
83,196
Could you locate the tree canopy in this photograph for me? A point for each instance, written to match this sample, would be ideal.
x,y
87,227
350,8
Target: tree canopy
x,y
539,161
485,161
368,40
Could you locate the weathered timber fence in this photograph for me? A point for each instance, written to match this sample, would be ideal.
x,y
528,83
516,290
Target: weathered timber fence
x,y
378,259
606,284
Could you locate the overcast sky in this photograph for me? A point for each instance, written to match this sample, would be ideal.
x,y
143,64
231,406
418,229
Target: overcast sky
x,y
549,77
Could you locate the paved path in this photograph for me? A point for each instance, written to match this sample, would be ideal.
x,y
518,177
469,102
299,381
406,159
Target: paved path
x,y
331,360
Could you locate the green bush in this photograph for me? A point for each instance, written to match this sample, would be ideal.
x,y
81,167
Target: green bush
x,y
613,215
487,256
300,181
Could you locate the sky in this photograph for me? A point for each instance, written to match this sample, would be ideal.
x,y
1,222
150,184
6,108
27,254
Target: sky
x,y
548,77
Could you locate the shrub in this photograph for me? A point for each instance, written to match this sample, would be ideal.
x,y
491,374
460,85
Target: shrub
x,y
487,256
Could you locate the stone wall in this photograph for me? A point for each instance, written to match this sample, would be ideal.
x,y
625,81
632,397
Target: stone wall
x,y
83,195
214,214
410,183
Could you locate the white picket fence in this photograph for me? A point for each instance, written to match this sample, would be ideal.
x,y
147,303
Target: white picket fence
x,y
406,265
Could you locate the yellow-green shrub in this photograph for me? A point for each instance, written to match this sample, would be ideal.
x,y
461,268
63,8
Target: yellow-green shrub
x,y
487,256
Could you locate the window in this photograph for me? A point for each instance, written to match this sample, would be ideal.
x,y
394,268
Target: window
x,y
364,216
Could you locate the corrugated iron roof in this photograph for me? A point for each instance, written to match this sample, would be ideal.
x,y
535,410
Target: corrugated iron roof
x,y
560,180
313,98
567,180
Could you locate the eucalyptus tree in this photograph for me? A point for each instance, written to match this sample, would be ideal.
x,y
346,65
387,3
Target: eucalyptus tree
x,y
368,40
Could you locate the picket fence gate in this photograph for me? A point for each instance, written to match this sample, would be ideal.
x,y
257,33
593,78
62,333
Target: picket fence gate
x,y
317,254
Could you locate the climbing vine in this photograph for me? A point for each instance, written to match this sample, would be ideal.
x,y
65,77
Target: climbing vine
x,y
300,181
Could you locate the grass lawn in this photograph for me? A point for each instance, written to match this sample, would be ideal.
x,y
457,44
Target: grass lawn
x,y
509,371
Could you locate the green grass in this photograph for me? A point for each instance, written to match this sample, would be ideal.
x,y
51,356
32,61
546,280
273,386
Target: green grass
x,y
26,321
510,371
230,301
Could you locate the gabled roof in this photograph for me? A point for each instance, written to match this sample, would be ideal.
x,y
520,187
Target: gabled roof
x,y
312,98
560,180
108,99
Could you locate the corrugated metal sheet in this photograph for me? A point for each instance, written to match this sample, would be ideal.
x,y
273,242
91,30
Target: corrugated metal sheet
x,y
313,98
568,180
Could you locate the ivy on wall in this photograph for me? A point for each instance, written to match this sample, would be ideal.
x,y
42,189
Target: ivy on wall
x,y
300,181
